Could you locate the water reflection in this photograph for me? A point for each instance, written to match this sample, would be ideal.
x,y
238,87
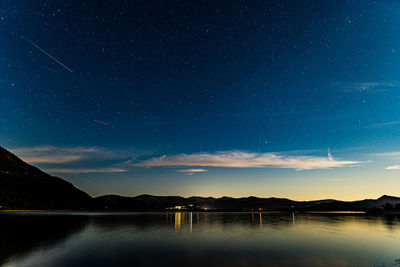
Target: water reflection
x,y
178,221
198,239
190,222
22,232
182,218
293,220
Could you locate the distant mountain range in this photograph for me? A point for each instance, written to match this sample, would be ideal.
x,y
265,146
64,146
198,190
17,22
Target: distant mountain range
x,y
23,186
149,202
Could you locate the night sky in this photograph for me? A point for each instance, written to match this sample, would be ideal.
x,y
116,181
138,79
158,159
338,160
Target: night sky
x,y
296,99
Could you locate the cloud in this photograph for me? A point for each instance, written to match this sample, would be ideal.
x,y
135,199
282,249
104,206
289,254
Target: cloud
x,y
330,157
55,159
191,171
371,86
47,154
94,170
239,159
51,159
384,124
53,154
394,167
387,154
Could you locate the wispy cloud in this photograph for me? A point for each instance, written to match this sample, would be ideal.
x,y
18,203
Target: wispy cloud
x,y
391,154
394,167
79,159
370,86
191,171
239,159
392,157
383,124
53,154
93,170
50,159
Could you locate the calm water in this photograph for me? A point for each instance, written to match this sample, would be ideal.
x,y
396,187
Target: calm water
x,y
198,239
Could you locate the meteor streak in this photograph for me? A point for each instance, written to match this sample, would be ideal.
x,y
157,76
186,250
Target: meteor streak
x,y
102,122
47,54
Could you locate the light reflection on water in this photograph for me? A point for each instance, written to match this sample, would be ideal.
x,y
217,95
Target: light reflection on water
x,y
199,239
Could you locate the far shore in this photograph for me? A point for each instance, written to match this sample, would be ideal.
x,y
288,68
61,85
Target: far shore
x,y
208,211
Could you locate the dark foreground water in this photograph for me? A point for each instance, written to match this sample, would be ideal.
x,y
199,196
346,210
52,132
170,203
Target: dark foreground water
x,y
198,239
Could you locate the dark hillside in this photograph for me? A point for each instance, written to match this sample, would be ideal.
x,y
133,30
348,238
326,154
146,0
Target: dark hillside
x,y
23,186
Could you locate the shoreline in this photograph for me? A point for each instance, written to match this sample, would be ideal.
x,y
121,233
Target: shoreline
x,y
174,211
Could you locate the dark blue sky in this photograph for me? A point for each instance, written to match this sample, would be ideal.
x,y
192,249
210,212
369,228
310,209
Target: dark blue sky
x,y
205,97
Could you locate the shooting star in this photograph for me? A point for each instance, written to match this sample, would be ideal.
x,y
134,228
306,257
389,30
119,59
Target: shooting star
x,y
102,122
47,54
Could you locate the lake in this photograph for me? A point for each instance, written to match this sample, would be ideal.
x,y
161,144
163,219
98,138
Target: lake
x,y
198,239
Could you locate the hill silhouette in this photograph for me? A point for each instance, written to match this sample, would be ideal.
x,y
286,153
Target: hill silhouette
x,y
23,186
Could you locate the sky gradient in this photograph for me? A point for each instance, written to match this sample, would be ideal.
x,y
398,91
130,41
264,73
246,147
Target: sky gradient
x,y
296,99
